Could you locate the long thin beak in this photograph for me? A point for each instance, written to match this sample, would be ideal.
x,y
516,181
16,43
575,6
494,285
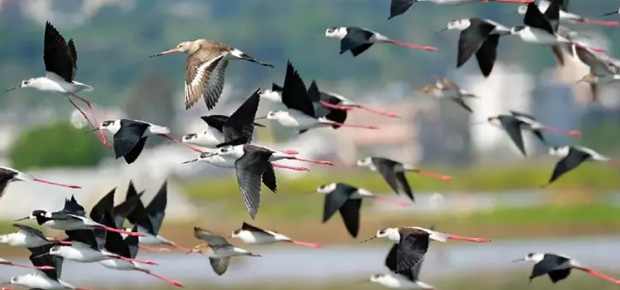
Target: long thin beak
x,y
260,118
164,52
610,13
190,161
441,30
11,89
189,252
518,260
39,256
369,239
93,130
24,218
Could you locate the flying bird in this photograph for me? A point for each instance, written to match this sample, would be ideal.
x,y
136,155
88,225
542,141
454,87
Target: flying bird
x,y
602,72
413,243
339,102
565,16
4,262
347,200
250,234
399,7
393,173
218,250
558,267
60,59
130,136
612,13
573,156
222,128
301,114
443,88
358,40
8,175
206,68
28,237
479,37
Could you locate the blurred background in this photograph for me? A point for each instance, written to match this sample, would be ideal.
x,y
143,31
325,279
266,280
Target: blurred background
x,y
495,192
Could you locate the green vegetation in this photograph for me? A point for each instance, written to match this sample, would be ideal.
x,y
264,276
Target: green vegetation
x,y
55,145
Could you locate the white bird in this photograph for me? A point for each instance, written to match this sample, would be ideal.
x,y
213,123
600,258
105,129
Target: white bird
x,y
566,16
250,234
27,237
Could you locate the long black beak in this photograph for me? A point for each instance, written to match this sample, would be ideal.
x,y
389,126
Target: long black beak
x,y
11,89
44,254
369,239
190,161
441,30
518,260
260,118
23,219
93,130
610,13
251,59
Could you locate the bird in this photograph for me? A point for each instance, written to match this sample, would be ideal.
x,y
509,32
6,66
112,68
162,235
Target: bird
x,y
127,248
250,163
218,250
413,243
149,219
28,237
8,175
446,89
60,59
250,234
573,156
357,39
602,72
43,279
4,262
558,267
274,94
566,16
393,173
612,13
205,69
541,29
85,249
399,7
130,136
480,37
339,102
71,217
405,280
301,113
514,122
348,199
222,128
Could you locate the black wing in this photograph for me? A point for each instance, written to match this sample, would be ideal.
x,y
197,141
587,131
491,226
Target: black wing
x,y
269,178
122,210
132,155
114,242
355,37
132,243
128,136
336,199
294,94
73,207
399,7
525,115
487,54
411,250
386,167
390,262
472,38
56,54
512,126
251,228
548,264
6,176
105,204
215,121
74,57
568,163
462,103
241,122
276,88
156,210
38,260
250,168
139,215
31,231
83,236
404,184
559,275
539,135
350,213
553,14
534,18
360,49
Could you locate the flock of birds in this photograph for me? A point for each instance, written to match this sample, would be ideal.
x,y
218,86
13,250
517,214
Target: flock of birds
x,y
227,142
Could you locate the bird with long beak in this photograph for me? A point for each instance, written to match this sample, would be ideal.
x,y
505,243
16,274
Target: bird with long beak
x,y
413,243
602,71
217,249
250,234
558,267
399,7
207,61
612,13
8,175
358,39
567,17
572,157
445,89
28,237
339,102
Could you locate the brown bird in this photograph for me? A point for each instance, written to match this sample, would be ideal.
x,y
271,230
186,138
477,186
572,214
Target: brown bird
x,y
446,89
206,68
218,250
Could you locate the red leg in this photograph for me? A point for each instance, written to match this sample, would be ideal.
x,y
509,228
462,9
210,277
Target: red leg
x,y
181,143
104,139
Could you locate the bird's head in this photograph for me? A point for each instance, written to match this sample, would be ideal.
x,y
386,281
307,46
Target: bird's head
x,y
376,277
386,233
189,138
13,281
198,249
187,47
274,115
55,250
458,24
336,32
25,84
269,94
326,188
531,257
559,151
364,162
235,234
516,30
522,9
426,89
226,150
109,125
589,78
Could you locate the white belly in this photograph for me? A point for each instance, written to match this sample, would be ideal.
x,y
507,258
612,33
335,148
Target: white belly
x,y
83,255
539,36
117,264
220,161
256,238
39,281
66,225
298,120
208,139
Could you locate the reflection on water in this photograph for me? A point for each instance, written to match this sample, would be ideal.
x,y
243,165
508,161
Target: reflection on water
x,y
282,263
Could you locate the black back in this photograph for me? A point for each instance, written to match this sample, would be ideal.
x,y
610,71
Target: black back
x,y
553,14
122,210
512,126
114,242
130,140
472,39
248,227
57,55
396,180
38,259
73,207
534,18
105,204
6,176
294,94
356,37
411,249
399,7
249,170
86,237
487,54
338,200
241,122
574,158
156,210
139,215
549,263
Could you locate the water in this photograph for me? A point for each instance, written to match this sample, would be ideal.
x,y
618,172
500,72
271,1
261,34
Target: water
x,y
352,262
